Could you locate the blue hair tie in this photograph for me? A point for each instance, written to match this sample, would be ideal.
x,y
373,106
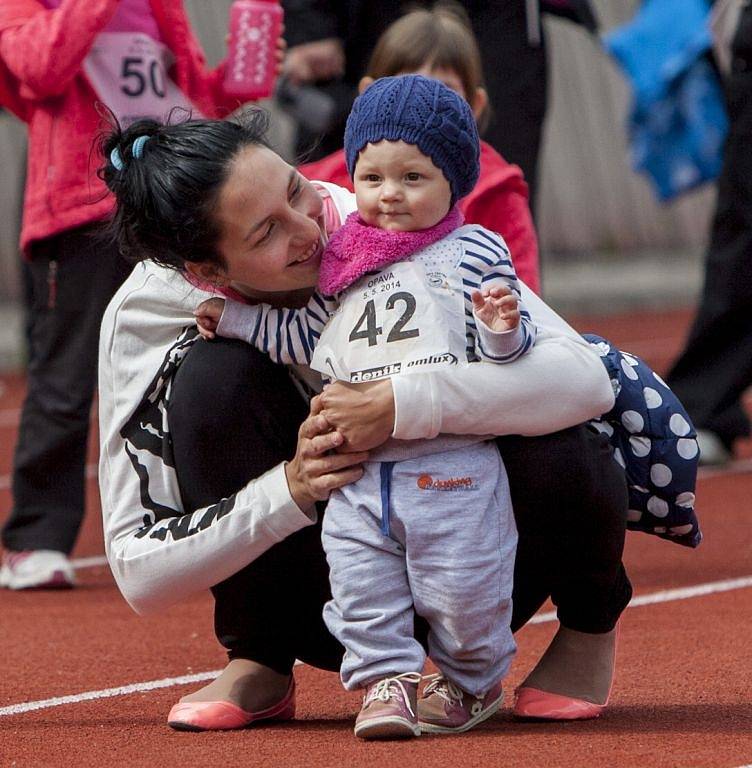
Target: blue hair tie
x,y
116,159
137,148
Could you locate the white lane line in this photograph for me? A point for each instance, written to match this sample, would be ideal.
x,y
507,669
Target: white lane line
x,y
89,471
668,595
655,597
123,690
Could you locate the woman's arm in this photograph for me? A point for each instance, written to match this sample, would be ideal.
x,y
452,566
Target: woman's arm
x,y
559,383
181,511
159,562
44,49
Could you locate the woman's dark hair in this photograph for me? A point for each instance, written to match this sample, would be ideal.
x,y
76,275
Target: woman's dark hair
x,y
167,193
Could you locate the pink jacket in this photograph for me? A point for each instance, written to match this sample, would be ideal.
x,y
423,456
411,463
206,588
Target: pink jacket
x,y
41,81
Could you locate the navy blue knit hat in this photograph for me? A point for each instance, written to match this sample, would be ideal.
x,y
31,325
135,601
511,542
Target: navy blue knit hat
x,y
422,111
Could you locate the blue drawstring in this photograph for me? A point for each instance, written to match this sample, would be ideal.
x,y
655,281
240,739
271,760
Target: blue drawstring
x,y
386,484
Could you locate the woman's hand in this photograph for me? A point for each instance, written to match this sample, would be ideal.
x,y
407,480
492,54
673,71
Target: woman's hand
x,y
316,470
362,413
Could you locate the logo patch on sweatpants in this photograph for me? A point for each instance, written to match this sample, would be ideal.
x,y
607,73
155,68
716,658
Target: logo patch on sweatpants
x,y
430,483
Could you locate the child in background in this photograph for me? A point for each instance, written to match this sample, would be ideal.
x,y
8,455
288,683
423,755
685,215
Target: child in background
x,y
405,286
439,43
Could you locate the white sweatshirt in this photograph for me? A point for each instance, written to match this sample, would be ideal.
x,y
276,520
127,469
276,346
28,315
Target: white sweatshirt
x,y
160,553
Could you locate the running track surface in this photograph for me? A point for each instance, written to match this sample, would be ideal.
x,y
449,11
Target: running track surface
x,y
682,695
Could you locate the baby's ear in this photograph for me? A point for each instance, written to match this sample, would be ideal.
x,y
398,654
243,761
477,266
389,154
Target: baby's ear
x,y
364,83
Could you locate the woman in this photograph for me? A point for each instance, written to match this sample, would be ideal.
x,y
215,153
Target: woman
x,y
196,489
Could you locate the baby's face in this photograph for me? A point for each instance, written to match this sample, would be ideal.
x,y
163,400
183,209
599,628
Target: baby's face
x,y
399,188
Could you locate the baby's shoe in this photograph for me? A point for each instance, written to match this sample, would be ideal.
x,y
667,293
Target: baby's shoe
x,y
389,710
445,708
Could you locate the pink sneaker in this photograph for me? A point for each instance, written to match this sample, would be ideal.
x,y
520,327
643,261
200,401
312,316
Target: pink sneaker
x,y
445,708
388,710
36,569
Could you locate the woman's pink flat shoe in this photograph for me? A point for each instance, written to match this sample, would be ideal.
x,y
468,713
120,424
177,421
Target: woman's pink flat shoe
x,y
541,705
224,716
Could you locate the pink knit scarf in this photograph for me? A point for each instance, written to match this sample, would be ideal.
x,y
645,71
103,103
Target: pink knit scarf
x,y
357,248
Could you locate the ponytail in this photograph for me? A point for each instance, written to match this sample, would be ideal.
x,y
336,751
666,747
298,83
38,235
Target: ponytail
x,y
166,180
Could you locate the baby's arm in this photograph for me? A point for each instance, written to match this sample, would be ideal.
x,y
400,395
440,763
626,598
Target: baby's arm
x,y
504,328
208,315
286,335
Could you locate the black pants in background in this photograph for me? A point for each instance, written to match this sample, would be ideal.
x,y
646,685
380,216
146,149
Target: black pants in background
x,y
73,276
715,367
569,500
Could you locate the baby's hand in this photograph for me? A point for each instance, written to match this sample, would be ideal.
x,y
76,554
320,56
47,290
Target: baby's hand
x,y
497,308
207,316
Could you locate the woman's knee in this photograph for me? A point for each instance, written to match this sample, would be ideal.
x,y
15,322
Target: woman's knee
x,y
572,467
226,390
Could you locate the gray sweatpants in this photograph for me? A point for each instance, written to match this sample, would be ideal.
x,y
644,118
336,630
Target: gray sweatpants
x,y
449,556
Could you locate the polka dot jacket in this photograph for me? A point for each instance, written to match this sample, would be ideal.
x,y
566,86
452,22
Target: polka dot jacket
x,y
655,441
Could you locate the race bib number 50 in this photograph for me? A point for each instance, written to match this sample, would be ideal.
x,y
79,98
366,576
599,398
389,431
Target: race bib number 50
x,y
129,72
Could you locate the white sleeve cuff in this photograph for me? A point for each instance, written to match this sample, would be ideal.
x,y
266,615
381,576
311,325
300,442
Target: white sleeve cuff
x,y
237,321
285,516
499,344
417,407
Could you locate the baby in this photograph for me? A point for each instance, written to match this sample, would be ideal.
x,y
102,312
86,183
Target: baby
x,y
428,529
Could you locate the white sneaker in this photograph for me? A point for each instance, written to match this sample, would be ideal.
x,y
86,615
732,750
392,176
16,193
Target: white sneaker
x,y
36,569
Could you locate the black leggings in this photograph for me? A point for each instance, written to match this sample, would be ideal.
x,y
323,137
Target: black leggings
x,y
234,415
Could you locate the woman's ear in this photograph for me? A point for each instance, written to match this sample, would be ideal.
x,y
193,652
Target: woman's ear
x,y
479,102
206,272
364,83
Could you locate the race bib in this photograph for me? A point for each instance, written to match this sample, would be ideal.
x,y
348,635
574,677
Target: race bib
x,y
403,319
129,72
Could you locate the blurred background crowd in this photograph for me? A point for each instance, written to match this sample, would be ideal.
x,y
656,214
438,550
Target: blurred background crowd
x,y
597,219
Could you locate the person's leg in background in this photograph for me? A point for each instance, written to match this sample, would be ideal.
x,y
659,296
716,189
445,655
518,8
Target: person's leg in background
x,y
715,367
269,613
74,276
516,77
570,501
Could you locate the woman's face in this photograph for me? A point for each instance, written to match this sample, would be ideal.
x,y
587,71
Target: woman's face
x,y
271,224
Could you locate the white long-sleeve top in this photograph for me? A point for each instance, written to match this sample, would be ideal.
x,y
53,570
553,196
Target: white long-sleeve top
x,y
160,553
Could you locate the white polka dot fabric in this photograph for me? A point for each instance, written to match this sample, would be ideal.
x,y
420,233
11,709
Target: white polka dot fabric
x,y
654,440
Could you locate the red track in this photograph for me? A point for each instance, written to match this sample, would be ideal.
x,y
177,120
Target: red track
x,y
682,695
